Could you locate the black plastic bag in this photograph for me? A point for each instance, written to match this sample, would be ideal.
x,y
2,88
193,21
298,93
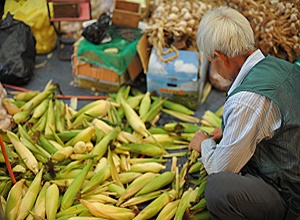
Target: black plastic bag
x,y
17,51
96,32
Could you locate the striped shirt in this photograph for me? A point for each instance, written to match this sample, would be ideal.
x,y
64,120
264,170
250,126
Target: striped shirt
x,y
248,119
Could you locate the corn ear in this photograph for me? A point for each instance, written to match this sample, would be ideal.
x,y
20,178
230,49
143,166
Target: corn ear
x,y
219,111
101,198
147,167
46,144
36,100
40,124
116,189
211,119
154,110
52,201
174,106
29,198
199,206
182,116
21,117
128,177
108,211
101,125
101,147
136,185
88,106
133,119
10,107
97,179
62,154
206,90
113,170
144,149
26,155
84,135
40,109
60,122
40,204
157,183
97,111
14,200
79,147
145,104
26,95
155,206
73,210
196,167
67,135
187,198
168,212
72,191
136,200
134,101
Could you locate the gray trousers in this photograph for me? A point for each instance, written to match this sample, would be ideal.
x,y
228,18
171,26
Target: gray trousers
x,y
230,196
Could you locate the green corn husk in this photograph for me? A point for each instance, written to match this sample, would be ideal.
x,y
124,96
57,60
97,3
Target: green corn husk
x,y
108,211
101,147
168,212
72,191
73,210
29,198
174,106
97,179
153,167
144,149
135,186
155,206
157,183
52,201
14,200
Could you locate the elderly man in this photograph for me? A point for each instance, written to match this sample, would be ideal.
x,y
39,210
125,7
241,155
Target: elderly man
x,y
253,162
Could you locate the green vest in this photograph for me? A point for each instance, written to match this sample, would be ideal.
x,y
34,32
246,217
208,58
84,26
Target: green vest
x,y
277,160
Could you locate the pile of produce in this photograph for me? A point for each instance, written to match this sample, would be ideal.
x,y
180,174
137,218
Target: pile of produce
x,y
276,25
173,25
108,160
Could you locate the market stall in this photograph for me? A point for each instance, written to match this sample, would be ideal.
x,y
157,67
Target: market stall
x,y
120,151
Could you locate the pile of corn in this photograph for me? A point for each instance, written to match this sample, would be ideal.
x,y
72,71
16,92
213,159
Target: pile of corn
x,y
107,160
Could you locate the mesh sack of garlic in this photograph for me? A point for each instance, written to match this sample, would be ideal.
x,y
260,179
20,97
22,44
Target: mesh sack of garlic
x,y
5,118
173,25
276,24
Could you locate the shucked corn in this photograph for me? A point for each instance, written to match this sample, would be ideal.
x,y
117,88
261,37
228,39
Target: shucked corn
x,y
121,168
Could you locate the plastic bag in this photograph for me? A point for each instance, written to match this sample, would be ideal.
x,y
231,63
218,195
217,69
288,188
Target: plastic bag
x,y
96,32
17,51
35,14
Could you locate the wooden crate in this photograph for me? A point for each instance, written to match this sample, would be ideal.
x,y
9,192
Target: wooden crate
x,y
66,10
126,14
102,79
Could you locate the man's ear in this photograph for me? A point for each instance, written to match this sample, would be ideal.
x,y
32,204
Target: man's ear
x,y
222,57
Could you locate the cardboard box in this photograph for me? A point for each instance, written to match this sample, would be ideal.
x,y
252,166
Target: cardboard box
x,y
178,80
88,75
126,14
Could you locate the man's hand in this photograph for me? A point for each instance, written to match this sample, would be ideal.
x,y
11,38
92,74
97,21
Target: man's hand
x,y
200,136
197,140
217,135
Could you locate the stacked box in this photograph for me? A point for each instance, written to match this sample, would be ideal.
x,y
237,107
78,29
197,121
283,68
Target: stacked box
x,y
178,80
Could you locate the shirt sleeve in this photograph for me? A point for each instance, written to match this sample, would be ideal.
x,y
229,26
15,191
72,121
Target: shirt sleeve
x,y
245,125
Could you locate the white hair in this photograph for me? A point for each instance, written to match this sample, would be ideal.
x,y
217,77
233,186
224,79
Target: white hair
x,y
225,30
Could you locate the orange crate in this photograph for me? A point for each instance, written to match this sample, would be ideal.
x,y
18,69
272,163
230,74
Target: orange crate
x,y
88,75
